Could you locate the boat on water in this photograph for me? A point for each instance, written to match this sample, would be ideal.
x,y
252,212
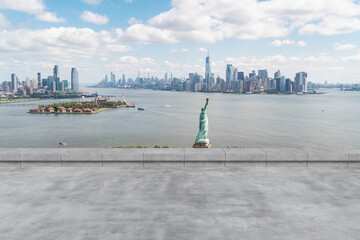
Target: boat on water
x,y
141,108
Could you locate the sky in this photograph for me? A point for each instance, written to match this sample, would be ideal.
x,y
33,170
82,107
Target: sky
x,y
126,36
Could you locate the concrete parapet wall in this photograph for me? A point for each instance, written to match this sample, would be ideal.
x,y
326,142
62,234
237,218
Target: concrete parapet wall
x,y
179,157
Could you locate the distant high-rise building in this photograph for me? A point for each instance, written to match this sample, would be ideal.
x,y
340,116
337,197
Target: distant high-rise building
x,y
106,80
113,80
45,82
263,74
28,83
55,79
241,76
282,84
207,70
277,74
51,83
66,83
288,85
58,84
35,83
62,86
166,77
300,82
56,71
123,79
229,74
253,74
39,83
235,75
75,80
14,85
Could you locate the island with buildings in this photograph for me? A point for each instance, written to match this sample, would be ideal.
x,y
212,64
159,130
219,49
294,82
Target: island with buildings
x,y
85,107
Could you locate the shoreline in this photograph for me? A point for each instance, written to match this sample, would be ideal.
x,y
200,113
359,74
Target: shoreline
x,y
24,100
94,112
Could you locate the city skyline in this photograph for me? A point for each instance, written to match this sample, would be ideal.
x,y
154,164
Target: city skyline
x,y
53,84
160,36
236,81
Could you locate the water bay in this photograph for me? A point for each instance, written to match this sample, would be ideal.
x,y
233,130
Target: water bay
x,y
171,119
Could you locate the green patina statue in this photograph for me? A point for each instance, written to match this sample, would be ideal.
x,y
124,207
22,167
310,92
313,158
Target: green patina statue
x,y
203,126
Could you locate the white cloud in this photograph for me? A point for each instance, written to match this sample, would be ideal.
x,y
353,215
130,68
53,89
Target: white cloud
x,y
133,20
61,44
279,43
4,23
323,59
92,2
35,7
201,49
128,1
49,17
344,47
212,20
134,64
173,50
301,43
332,25
95,18
27,6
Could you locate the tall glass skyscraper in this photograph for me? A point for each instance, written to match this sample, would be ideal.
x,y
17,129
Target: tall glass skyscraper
x,y
300,82
56,71
207,71
14,85
229,74
74,80
54,85
39,79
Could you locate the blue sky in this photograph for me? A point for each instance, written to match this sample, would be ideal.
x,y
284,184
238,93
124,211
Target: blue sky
x,y
124,36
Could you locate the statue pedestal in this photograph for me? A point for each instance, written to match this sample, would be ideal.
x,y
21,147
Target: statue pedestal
x,y
202,145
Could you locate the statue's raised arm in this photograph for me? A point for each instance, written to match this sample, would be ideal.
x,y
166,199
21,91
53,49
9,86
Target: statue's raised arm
x,y
207,102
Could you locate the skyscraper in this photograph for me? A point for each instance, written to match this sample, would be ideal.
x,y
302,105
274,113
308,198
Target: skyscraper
x,y
300,82
113,80
241,76
277,74
106,81
74,80
14,85
262,74
50,82
288,85
207,70
35,83
28,84
39,79
282,84
56,71
229,74
55,79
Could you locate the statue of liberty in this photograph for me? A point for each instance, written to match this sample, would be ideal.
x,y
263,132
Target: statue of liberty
x,y
201,139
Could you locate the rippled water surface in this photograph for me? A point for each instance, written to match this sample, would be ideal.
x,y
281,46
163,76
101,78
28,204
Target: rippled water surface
x,y
171,118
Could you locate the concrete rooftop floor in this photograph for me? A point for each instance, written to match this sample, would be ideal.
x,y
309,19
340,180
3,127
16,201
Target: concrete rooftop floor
x,y
248,203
